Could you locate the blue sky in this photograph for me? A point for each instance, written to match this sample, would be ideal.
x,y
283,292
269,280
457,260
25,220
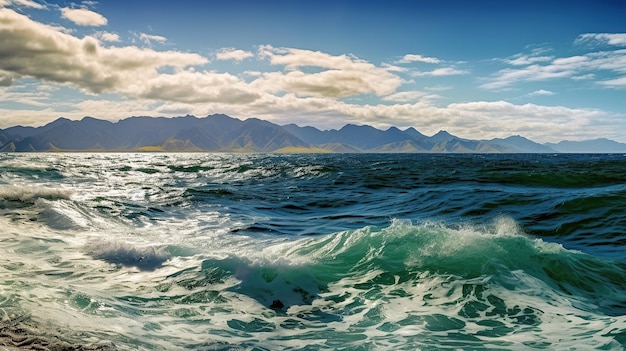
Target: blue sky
x,y
548,70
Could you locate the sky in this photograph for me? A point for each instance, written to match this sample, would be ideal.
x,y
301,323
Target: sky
x,y
547,70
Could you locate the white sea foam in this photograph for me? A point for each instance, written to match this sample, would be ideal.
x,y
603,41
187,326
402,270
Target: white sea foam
x,y
29,194
145,258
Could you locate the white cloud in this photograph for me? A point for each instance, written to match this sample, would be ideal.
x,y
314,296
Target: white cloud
x,y
538,67
233,54
541,92
406,96
617,39
338,76
522,60
149,38
507,77
27,117
103,109
84,17
441,72
408,58
111,110
584,77
393,68
38,98
138,72
197,87
574,67
176,109
31,49
439,88
539,123
107,36
25,3
572,61
614,83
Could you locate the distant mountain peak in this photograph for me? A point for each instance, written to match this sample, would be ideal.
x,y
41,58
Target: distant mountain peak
x,y
222,133
599,145
442,135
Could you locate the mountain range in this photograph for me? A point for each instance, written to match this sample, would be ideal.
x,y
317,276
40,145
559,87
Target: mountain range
x,y
221,133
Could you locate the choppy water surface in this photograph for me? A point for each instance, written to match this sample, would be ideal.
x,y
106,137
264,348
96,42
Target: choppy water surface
x,y
315,252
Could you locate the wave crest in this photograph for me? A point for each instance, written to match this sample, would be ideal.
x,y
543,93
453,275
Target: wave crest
x,y
29,195
118,253
465,253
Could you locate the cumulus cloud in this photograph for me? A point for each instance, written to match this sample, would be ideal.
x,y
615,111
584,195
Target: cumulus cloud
x,y
408,58
233,54
28,48
31,49
339,76
195,87
84,17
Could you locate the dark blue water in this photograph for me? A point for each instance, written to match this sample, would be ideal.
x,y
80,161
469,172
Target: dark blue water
x,y
576,200
315,252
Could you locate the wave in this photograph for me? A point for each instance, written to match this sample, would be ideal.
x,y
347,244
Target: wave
x,y
419,285
10,170
22,332
273,252
468,253
24,196
118,253
405,251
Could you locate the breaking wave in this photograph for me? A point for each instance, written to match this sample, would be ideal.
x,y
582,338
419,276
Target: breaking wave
x,y
28,195
145,258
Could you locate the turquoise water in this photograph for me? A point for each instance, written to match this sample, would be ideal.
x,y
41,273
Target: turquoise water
x,y
316,252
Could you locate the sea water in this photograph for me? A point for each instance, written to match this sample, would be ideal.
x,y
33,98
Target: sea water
x,y
313,252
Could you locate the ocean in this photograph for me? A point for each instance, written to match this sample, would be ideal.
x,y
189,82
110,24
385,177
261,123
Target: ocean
x,y
201,251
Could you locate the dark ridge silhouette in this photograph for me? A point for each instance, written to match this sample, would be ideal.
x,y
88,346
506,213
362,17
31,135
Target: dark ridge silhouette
x,y
222,133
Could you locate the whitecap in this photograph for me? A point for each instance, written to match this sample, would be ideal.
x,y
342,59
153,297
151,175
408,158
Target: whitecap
x,y
25,195
145,258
